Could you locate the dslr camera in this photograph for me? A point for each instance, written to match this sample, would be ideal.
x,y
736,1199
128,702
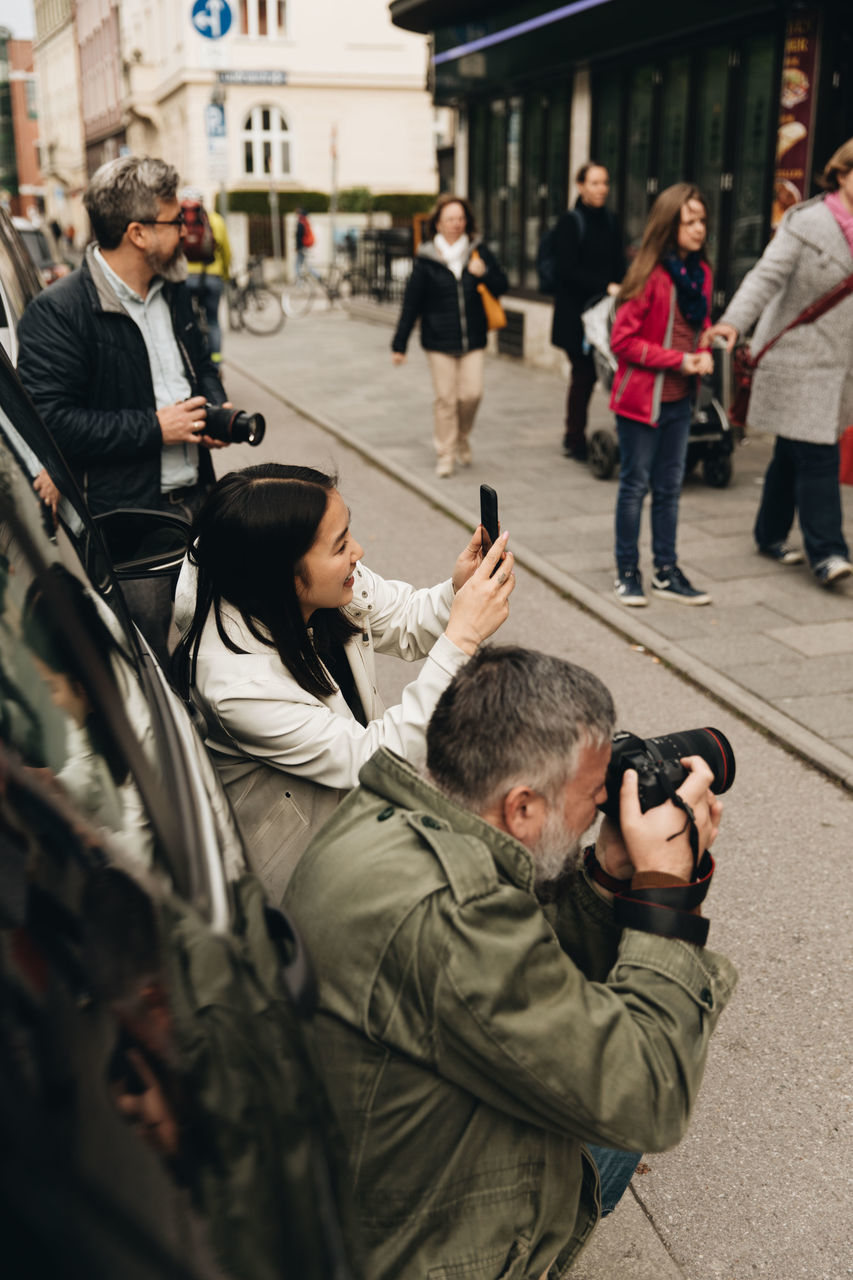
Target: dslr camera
x,y
656,761
233,425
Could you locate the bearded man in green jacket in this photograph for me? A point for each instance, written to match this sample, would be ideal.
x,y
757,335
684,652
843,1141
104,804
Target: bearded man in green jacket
x,y
482,1015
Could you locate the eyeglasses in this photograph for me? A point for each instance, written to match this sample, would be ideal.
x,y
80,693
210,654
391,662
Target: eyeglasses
x,y
180,221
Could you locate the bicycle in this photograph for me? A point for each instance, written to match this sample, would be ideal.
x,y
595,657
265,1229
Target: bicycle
x,y
252,304
340,284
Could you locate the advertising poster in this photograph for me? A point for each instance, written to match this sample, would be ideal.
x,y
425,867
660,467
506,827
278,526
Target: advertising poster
x,y
796,114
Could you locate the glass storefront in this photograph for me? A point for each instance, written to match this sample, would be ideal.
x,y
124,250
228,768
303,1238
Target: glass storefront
x,y
707,116
517,179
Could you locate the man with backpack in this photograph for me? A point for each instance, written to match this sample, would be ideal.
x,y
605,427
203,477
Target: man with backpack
x,y
584,256
208,254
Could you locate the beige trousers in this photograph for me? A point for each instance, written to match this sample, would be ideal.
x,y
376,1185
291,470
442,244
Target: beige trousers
x,y
458,385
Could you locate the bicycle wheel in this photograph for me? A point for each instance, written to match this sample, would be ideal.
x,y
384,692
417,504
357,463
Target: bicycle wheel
x,y
297,296
353,284
263,312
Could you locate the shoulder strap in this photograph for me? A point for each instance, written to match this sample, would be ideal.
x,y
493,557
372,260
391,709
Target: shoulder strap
x,y
581,221
811,313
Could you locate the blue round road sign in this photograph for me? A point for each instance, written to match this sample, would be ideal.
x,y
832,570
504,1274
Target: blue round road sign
x,y
211,18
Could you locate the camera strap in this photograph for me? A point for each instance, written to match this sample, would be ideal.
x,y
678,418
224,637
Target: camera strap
x,y
668,787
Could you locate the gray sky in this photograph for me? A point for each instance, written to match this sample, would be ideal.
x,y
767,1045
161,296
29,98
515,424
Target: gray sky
x,y
17,15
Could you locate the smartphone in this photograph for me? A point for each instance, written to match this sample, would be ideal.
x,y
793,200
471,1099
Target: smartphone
x,y
489,518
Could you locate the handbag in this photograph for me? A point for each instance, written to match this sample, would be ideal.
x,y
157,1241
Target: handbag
x,y
597,319
744,363
495,314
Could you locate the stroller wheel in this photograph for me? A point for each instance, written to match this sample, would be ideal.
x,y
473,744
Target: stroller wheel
x,y
717,469
602,453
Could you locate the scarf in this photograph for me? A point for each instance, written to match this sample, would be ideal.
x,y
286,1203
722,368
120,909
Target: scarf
x,y
455,255
688,278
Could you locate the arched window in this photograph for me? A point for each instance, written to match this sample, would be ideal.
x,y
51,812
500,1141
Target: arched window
x,y
266,144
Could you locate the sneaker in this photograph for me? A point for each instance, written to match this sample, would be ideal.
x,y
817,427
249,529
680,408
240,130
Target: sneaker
x,y
629,588
671,584
832,570
444,468
782,553
463,453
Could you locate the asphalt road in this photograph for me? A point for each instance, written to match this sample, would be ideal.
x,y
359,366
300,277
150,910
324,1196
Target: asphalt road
x,y
760,1186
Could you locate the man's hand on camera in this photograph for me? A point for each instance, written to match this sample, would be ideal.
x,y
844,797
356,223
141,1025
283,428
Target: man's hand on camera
x,y
659,839
210,442
182,423
611,854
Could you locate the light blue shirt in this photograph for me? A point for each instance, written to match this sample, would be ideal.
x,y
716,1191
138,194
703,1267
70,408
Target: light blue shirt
x,y
178,462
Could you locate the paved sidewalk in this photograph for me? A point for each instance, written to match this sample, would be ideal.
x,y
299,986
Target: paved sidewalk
x,y
773,646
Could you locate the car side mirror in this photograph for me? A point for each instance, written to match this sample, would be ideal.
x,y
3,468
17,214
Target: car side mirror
x,y
144,544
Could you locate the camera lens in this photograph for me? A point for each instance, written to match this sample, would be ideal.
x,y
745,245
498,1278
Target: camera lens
x,y
656,762
233,426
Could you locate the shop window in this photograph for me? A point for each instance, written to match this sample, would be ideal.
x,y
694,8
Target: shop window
x,y
639,180
512,252
709,148
265,140
753,159
673,140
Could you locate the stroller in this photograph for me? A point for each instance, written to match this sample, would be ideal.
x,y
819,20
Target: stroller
x,y
711,437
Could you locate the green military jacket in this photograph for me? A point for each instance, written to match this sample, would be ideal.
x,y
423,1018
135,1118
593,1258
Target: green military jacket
x,y
471,1040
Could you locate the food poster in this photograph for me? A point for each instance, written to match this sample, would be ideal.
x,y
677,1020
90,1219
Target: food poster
x,y
796,113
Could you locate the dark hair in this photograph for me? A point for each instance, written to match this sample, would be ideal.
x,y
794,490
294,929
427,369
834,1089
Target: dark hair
x,y
580,176
837,166
44,635
514,715
127,190
252,521
660,237
441,203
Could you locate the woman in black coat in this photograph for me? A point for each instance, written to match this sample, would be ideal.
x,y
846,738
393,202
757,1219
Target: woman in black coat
x,y
443,293
590,261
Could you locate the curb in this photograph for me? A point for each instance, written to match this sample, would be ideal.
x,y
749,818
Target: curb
x,y
781,728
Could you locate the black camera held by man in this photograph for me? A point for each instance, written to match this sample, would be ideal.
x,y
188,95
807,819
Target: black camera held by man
x,y
656,761
233,425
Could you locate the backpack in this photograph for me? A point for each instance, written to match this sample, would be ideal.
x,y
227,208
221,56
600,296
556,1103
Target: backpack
x,y
546,256
307,233
199,242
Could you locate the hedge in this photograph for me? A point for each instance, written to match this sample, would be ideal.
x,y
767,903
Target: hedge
x,y
402,207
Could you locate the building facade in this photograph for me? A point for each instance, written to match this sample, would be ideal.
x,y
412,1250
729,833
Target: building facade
x,y
61,145
293,94
747,99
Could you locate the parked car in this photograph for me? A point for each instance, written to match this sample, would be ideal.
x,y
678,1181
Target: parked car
x,y
19,284
158,1117
41,249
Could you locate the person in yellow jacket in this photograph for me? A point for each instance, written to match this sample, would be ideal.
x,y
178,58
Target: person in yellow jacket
x,y
208,254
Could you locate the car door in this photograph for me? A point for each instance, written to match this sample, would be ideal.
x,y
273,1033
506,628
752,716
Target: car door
x,y
158,1114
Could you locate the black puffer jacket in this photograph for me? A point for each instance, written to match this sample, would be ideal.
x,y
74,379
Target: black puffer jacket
x,y
451,313
588,261
85,364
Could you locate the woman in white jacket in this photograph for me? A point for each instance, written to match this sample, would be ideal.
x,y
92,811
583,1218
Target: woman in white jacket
x,y
280,622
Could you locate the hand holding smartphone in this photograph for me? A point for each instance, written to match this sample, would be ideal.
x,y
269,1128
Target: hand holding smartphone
x,y
489,519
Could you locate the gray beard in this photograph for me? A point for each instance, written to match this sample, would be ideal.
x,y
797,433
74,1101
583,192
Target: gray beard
x,y
556,851
174,270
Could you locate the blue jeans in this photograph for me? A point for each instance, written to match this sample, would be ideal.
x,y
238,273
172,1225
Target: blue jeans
x,y
208,290
651,458
615,1171
803,478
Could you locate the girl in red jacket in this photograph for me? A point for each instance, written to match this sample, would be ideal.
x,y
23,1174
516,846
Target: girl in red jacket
x,y
663,309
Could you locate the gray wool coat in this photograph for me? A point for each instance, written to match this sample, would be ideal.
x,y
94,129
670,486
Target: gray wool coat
x,y
803,387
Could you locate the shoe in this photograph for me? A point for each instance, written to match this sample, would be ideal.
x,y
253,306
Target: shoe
x,y
832,570
629,588
463,453
782,553
671,584
444,468
574,449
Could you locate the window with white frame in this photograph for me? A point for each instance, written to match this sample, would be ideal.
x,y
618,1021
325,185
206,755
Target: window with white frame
x,y
266,144
263,17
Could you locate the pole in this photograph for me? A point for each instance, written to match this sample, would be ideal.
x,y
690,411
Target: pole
x,y
276,231
333,198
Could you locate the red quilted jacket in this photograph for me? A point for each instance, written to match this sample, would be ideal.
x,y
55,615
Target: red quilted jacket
x,y
641,331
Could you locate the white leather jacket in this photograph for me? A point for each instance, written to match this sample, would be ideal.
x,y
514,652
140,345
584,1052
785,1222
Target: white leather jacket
x,y
286,756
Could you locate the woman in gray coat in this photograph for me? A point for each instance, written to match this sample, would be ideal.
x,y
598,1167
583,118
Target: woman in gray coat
x,y
802,390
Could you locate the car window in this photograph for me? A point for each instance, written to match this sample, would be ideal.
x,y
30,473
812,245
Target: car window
x,y
35,242
18,276
108,734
